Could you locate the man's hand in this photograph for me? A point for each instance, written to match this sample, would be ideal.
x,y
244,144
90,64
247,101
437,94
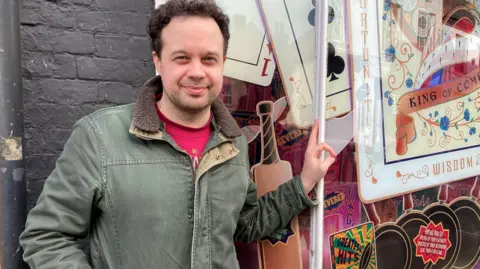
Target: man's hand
x,y
314,169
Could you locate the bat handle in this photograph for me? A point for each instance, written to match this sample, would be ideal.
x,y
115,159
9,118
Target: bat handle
x,y
268,141
372,213
407,202
476,189
442,193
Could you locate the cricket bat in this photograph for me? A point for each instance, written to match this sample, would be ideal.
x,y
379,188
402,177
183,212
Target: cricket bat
x,y
283,249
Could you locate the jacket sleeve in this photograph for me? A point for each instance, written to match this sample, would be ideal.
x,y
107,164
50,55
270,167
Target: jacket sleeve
x,y
63,211
263,216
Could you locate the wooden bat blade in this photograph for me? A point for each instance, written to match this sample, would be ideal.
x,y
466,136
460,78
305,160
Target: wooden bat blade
x,y
269,176
279,255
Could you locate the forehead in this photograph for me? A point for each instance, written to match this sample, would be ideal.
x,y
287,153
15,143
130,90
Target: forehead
x,y
192,34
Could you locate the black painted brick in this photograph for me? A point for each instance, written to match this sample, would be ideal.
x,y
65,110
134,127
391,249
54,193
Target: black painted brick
x,y
34,186
50,14
38,64
46,39
39,167
113,70
116,92
59,91
57,16
48,116
43,141
112,22
76,2
30,15
138,6
122,47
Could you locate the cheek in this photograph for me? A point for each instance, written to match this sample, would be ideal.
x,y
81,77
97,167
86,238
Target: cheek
x,y
216,77
219,80
171,76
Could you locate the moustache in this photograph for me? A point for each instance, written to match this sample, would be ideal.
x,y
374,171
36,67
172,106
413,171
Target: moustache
x,y
195,86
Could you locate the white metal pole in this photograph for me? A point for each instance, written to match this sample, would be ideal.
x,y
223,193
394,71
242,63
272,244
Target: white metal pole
x,y
321,45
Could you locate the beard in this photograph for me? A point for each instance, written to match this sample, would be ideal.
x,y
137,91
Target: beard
x,y
191,104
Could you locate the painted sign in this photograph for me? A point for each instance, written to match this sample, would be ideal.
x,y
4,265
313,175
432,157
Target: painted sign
x,y
417,94
354,248
291,28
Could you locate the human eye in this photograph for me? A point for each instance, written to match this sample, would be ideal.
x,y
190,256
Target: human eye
x,y
210,59
181,59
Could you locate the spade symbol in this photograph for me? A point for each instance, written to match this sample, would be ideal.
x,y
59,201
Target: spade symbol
x,y
335,64
311,15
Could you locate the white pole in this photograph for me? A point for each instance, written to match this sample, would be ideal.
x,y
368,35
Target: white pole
x,y
321,22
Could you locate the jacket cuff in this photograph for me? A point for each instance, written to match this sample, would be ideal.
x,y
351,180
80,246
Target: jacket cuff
x,y
304,199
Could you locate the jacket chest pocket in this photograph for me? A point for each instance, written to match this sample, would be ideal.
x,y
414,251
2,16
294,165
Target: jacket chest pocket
x,y
151,204
151,192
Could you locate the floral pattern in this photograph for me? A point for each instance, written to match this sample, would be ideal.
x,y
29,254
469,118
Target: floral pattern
x,y
420,174
444,123
476,101
453,127
396,54
390,54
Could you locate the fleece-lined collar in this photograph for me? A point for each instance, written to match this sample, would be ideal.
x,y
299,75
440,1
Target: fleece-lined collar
x,y
145,117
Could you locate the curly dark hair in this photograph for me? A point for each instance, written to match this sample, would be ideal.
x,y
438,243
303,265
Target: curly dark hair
x,y
163,14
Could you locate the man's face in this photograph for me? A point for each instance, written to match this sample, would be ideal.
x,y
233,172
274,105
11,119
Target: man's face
x,y
191,62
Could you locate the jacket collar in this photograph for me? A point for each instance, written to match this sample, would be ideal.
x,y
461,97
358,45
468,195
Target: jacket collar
x,y
146,120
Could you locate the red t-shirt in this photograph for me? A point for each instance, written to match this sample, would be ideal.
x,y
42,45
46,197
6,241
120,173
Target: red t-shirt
x,y
191,140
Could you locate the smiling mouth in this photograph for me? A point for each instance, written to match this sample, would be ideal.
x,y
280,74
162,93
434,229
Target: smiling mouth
x,y
195,87
195,90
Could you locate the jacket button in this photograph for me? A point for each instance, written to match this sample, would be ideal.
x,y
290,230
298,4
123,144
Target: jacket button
x,y
218,157
190,216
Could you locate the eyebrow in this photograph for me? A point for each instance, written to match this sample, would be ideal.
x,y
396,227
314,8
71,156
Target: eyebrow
x,y
212,53
179,52
209,53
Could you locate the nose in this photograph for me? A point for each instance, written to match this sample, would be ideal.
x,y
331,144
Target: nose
x,y
196,70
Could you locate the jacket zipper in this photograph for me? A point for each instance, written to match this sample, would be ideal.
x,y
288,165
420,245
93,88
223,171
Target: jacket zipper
x,y
192,255
195,183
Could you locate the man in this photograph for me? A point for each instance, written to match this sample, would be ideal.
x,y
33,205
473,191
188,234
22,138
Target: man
x,y
164,183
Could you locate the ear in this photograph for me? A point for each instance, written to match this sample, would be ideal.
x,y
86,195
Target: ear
x,y
156,62
224,58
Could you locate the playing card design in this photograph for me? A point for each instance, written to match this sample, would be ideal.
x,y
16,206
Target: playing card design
x,y
249,56
291,28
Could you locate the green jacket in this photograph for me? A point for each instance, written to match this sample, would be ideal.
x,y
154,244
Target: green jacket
x,y
125,183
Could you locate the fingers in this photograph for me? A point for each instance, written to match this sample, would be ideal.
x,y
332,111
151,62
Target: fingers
x,y
329,161
324,147
312,141
330,150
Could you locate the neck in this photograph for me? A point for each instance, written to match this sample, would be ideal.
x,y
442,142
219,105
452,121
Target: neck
x,y
192,120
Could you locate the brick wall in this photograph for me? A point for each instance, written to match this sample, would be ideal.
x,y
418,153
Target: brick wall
x,y
78,56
